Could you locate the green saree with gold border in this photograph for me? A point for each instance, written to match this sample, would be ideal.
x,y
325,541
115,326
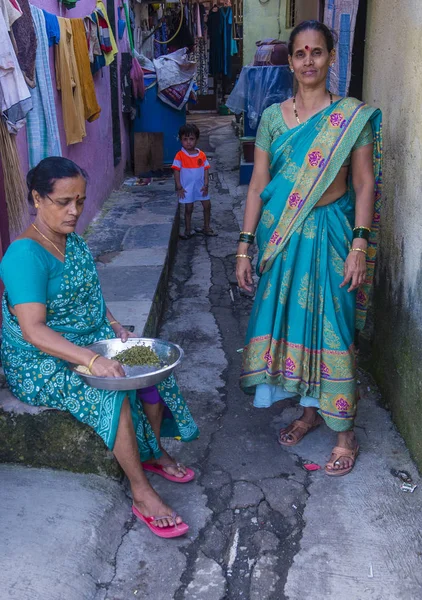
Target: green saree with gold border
x,y
302,326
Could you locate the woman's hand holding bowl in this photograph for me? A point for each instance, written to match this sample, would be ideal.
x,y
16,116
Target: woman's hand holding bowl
x,y
105,367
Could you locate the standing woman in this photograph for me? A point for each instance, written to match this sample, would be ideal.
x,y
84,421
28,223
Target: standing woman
x,y
314,201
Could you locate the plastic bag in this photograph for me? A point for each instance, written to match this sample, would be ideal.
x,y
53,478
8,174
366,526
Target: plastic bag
x,y
259,87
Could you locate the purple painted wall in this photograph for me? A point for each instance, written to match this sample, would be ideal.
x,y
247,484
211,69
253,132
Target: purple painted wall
x,y
95,152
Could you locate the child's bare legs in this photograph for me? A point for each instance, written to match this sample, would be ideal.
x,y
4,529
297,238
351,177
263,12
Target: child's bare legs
x,y
188,217
207,214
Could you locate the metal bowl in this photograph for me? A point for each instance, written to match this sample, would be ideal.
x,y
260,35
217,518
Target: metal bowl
x,y
137,377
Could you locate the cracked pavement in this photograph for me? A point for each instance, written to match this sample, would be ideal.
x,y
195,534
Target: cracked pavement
x,y
261,526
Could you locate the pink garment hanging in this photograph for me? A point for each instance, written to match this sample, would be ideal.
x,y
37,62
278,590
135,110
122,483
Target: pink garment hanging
x,y
137,77
198,21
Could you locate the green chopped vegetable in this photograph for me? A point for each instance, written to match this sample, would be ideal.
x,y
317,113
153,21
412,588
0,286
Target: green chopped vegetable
x,y
137,355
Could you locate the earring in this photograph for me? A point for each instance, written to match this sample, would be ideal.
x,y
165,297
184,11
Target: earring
x,y
36,205
292,70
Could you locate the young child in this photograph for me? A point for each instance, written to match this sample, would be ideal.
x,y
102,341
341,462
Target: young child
x,y
191,176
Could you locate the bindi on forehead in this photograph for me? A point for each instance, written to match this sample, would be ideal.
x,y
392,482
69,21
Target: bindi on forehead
x,y
308,48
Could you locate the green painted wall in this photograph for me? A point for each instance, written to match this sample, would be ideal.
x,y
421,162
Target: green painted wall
x,y
262,21
393,81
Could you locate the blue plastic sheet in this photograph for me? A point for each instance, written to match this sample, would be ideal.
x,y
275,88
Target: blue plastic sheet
x,y
259,87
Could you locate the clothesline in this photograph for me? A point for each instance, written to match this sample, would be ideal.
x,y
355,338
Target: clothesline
x,y
26,89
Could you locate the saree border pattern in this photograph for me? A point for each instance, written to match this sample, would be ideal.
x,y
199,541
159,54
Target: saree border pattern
x,y
301,331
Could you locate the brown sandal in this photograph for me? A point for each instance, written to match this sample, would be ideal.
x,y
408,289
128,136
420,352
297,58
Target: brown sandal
x,y
338,453
298,431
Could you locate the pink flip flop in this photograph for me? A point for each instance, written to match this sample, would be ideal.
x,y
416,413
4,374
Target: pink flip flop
x,y
170,531
159,470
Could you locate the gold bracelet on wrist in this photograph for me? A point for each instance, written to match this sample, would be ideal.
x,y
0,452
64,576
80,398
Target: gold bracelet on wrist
x,y
358,250
91,362
114,322
361,227
247,233
243,256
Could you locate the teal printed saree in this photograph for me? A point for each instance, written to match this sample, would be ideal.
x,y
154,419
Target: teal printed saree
x,y
302,326
77,310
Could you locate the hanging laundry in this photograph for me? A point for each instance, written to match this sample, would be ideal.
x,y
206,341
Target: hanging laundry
x,y
160,36
67,80
108,34
214,34
137,77
26,42
52,28
91,31
91,38
69,4
341,15
42,128
94,40
11,12
199,19
226,22
126,84
92,109
104,35
15,4
184,38
144,42
189,20
15,98
197,24
201,76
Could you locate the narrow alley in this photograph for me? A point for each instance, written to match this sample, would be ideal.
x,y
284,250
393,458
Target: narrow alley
x,y
106,490
262,527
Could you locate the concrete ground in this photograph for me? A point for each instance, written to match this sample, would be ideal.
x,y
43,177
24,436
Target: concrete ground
x,y
262,527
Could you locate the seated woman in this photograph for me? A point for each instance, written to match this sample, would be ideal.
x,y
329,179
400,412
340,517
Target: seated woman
x,y
53,308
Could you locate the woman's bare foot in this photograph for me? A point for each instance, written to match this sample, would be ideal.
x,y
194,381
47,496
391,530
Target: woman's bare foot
x,y
149,503
292,434
169,465
347,440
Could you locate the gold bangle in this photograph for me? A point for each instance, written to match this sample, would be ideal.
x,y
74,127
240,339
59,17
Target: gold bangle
x,y
358,250
114,322
91,362
360,227
247,233
243,256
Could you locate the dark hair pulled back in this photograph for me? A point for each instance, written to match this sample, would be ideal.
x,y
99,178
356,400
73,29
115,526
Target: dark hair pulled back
x,y
329,35
43,177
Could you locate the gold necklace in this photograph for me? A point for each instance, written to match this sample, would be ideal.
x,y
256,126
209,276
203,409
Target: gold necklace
x,y
46,238
295,110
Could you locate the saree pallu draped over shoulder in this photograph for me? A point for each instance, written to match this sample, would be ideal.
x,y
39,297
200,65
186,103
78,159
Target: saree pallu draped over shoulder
x,y
78,312
301,330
